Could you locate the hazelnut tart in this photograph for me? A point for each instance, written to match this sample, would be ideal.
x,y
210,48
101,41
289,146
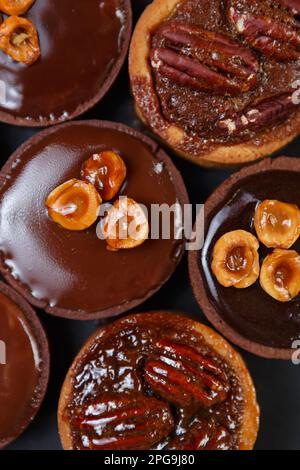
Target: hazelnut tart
x,y
76,219
218,80
179,386
24,364
246,277
60,58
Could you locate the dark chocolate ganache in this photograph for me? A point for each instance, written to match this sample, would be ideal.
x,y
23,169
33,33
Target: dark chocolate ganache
x,y
251,311
20,364
60,269
136,387
200,111
80,43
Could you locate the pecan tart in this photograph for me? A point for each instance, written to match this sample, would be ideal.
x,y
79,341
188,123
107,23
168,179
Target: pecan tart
x,y
64,196
59,58
246,277
158,381
24,364
218,80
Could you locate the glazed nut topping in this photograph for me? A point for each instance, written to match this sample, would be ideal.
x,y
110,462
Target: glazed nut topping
x,y
204,60
280,275
19,39
277,224
15,7
106,171
182,376
125,225
236,260
277,39
124,422
74,205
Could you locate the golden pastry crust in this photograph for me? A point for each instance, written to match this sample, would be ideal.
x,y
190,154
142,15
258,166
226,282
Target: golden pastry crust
x,y
190,147
250,421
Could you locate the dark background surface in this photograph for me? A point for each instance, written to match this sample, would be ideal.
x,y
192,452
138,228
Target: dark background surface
x,y
277,382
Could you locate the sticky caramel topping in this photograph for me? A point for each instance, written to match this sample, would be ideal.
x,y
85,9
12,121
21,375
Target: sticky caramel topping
x,y
106,171
277,223
280,275
235,259
19,39
74,205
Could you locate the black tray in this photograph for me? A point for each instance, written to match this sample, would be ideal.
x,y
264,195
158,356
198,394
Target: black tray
x,y
277,382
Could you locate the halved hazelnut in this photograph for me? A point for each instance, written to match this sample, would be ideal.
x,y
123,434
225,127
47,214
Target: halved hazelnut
x,y
19,39
280,275
74,205
277,224
236,260
125,225
15,7
106,171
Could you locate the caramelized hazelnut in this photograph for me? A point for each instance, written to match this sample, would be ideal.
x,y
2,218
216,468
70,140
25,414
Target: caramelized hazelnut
x,y
280,275
277,224
126,225
15,7
74,205
106,171
19,40
236,260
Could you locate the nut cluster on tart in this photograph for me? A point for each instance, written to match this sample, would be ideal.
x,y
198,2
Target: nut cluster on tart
x,y
56,58
24,369
246,277
217,80
180,387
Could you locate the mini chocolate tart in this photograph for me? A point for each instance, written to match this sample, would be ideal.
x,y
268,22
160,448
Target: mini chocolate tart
x,y
82,48
24,364
248,315
72,273
215,79
159,381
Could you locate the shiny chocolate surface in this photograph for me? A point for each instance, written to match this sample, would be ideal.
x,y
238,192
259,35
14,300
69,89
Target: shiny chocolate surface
x,y
80,43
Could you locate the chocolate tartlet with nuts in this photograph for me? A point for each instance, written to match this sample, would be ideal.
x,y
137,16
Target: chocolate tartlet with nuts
x,y
24,364
167,383
59,58
217,80
75,236
246,278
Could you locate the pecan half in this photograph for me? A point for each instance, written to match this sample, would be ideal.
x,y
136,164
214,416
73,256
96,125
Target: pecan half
x,y
124,422
203,436
264,114
204,60
267,34
182,376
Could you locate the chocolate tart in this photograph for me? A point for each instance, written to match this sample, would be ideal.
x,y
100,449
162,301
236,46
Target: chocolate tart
x,y
248,317
83,46
213,80
24,371
72,274
157,380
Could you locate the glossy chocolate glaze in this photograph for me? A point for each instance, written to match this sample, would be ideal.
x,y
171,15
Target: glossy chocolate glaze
x,y
80,44
199,111
114,363
60,269
19,376
251,312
